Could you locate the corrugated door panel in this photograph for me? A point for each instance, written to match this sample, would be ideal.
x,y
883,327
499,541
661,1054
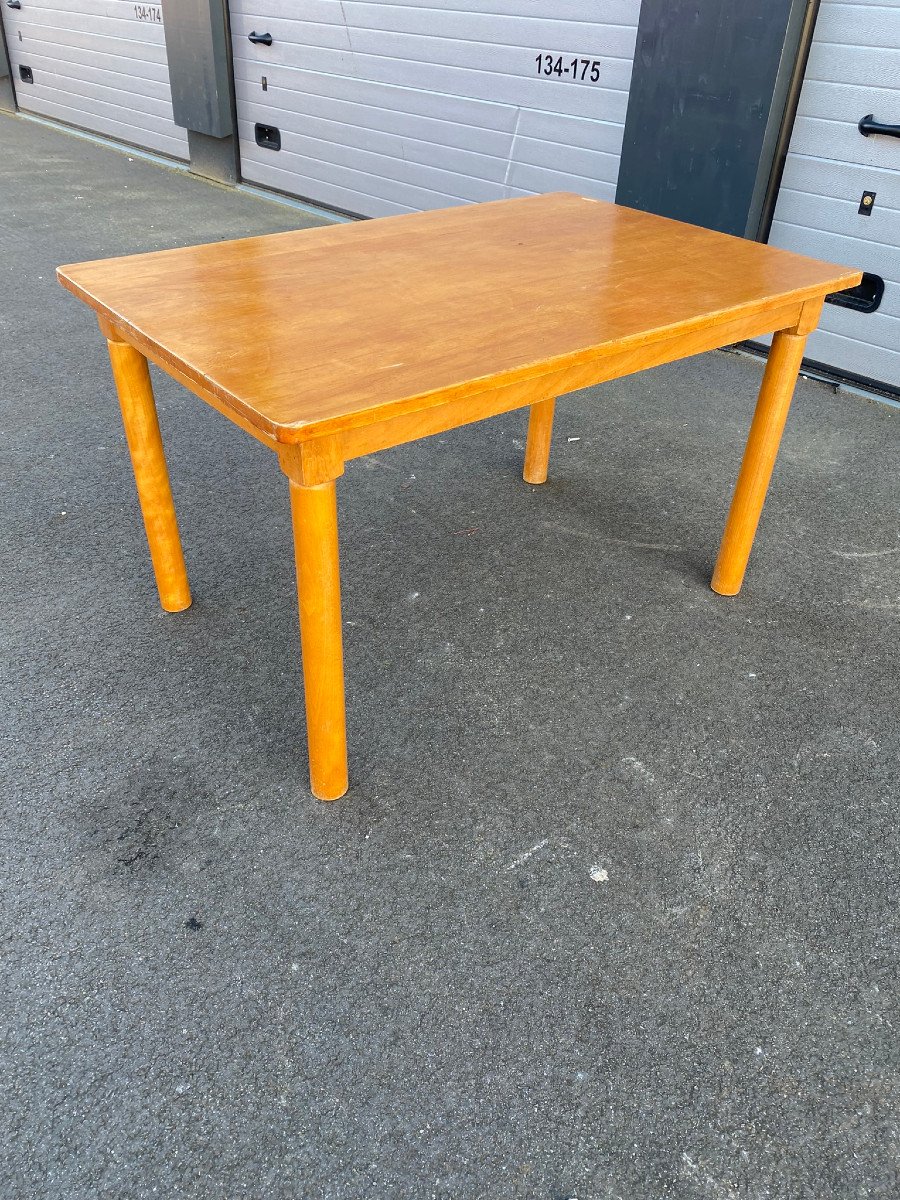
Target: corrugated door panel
x,y
97,64
385,108
853,70
437,120
831,214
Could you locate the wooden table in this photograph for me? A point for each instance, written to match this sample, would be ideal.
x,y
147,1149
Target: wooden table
x,y
327,344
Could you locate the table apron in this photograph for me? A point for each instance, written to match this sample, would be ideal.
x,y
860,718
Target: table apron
x,y
206,394
424,422
316,459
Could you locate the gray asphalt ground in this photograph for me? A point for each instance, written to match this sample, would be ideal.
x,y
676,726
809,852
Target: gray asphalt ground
x,y
610,910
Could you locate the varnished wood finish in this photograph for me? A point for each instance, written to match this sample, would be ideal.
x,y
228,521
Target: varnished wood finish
x,y
537,447
309,463
141,423
332,343
321,330
759,460
408,427
314,512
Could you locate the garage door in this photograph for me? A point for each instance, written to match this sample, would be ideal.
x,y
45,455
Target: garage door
x,y
853,71
379,108
97,64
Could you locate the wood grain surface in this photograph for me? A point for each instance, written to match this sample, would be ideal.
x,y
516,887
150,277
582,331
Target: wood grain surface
x,y
317,331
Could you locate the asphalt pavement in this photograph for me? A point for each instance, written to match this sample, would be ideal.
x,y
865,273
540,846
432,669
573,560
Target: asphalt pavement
x,y
610,909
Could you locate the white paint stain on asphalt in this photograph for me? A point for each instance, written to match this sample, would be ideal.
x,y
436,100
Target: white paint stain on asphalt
x,y
631,761
524,857
865,553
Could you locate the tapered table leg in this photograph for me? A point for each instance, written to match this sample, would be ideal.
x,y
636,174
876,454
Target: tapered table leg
x,y
314,512
537,448
132,378
759,459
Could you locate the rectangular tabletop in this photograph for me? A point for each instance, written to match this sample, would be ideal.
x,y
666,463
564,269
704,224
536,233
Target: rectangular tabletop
x,y
315,331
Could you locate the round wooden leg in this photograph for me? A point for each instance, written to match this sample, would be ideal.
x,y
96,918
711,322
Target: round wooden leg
x,y
314,512
132,379
537,448
759,459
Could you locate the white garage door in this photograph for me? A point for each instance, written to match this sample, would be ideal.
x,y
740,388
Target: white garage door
x,y
389,107
853,70
97,64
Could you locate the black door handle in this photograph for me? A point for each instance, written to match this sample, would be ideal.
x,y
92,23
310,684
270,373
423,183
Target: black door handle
x,y
869,125
260,39
13,3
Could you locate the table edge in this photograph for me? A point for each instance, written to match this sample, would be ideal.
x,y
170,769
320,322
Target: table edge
x,y
293,433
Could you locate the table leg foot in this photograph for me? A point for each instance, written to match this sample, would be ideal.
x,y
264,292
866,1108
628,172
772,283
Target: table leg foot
x,y
314,512
537,448
775,396
132,378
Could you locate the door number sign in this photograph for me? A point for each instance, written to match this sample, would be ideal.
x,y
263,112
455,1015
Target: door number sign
x,y
581,70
